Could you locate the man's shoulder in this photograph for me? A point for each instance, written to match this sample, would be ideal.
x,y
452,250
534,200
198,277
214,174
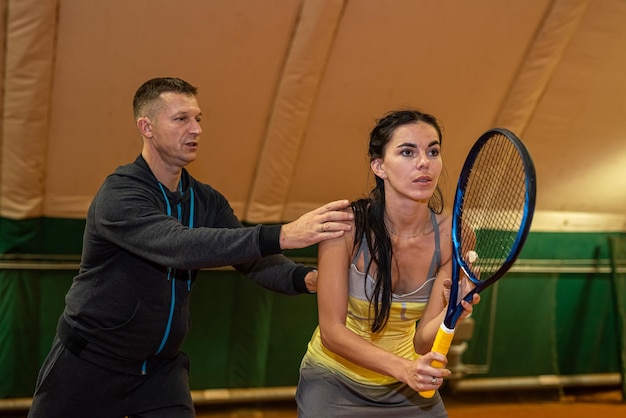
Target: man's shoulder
x,y
134,170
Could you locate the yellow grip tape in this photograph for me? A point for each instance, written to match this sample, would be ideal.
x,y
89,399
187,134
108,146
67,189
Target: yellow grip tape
x,y
442,343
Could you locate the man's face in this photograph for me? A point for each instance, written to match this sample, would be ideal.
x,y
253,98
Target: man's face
x,y
175,128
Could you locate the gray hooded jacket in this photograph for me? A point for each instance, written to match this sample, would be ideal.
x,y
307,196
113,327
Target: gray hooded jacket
x,y
142,248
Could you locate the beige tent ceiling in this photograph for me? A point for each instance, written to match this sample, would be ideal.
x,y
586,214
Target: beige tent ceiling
x,y
291,88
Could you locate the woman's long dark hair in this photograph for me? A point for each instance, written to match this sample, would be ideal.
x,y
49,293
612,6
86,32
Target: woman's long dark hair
x,y
369,213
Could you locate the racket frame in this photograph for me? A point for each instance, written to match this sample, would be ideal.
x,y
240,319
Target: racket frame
x,y
459,264
445,333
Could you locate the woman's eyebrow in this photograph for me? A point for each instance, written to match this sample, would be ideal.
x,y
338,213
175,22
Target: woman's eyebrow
x,y
414,145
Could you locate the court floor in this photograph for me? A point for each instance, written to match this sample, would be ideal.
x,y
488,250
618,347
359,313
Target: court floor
x,y
600,403
578,404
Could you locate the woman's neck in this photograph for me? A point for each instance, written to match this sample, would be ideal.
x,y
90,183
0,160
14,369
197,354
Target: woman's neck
x,y
408,223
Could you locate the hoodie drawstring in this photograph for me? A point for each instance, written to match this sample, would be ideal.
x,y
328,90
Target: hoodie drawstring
x,y
179,215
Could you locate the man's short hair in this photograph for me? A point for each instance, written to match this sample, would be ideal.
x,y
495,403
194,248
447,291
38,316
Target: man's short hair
x,y
150,91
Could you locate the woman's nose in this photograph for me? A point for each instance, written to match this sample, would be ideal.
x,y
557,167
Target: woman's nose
x,y
422,161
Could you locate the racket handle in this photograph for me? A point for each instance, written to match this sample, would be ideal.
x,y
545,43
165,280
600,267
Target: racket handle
x,y
442,343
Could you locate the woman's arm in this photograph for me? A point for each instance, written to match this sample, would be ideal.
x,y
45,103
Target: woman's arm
x,y
440,294
434,313
427,329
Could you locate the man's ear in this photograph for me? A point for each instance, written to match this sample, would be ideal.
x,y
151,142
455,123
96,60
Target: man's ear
x,y
145,127
377,168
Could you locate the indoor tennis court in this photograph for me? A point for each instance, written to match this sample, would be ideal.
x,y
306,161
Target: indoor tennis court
x,y
289,91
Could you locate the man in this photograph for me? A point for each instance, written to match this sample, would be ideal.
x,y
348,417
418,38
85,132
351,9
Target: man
x,y
149,229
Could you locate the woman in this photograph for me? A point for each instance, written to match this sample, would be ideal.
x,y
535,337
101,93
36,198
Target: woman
x,y
376,282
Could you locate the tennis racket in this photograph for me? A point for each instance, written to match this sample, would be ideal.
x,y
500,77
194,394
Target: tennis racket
x,y
491,217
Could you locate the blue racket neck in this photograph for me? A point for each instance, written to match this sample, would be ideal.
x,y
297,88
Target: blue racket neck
x,y
454,304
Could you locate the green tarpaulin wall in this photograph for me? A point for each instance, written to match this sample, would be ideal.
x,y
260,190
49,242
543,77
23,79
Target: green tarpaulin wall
x,y
551,320
558,318
618,275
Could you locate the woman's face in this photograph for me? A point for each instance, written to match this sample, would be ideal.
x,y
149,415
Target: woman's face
x,y
412,162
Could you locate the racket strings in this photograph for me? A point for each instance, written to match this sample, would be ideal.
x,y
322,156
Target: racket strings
x,y
493,206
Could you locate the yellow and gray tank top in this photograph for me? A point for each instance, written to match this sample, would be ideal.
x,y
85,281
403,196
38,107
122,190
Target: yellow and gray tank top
x,y
396,336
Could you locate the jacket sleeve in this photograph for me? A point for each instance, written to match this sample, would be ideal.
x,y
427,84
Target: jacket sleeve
x,y
135,219
277,273
274,271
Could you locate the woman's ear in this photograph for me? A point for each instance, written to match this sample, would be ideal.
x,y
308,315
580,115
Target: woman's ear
x,y
377,167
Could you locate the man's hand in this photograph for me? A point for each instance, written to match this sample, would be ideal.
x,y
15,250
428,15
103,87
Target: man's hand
x,y
310,280
329,221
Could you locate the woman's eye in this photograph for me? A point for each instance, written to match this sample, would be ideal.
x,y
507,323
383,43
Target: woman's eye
x,y
434,152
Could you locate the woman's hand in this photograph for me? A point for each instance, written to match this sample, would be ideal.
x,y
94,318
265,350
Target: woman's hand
x,y
465,286
421,376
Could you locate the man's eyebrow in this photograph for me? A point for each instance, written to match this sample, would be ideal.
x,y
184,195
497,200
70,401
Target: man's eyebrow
x,y
186,113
